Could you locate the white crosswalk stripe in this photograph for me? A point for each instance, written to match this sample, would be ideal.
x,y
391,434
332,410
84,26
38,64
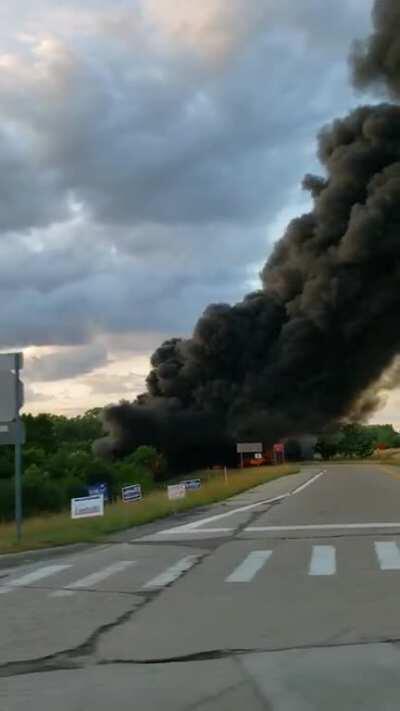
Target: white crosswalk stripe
x,y
323,560
172,573
322,563
388,555
33,577
249,568
91,580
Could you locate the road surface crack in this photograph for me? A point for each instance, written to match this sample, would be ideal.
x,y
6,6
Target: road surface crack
x,y
84,654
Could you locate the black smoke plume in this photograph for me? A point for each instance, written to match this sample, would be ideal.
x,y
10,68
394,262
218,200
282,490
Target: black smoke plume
x,y
309,347
376,61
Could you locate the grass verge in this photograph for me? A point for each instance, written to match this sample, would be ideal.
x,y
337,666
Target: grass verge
x,y
60,529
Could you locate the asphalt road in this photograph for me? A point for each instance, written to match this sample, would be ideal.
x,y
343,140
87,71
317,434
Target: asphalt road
x,y
284,598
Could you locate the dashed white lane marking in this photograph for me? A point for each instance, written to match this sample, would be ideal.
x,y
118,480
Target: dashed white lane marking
x,y
172,573
323,560
32,577
321,527
388,555
248,569
91,580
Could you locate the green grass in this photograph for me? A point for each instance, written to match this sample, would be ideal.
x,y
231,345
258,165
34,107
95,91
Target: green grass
x,y
60,529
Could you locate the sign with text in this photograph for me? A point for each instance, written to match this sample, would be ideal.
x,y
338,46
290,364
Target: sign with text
x,y
177,491
131,493
249,447
99,489
192,484
87,506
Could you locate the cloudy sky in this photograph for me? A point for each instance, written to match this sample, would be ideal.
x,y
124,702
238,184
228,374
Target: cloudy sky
x,y
151,151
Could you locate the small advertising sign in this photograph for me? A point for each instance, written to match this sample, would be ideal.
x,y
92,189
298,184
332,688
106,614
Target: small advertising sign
x,y
131,493
177,491
87,506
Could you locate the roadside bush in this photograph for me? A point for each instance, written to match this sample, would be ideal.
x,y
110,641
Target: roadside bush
x,y
40,494
73,488
129,473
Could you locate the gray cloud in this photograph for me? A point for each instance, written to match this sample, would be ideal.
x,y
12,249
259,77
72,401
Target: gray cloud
x,y
67,363
139,174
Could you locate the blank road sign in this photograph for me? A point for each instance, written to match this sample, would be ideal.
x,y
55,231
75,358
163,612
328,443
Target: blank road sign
x,y
7,396
12,433
7,361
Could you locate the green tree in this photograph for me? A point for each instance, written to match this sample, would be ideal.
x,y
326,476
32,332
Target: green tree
x,y
328,445
40,431
357,441
384,436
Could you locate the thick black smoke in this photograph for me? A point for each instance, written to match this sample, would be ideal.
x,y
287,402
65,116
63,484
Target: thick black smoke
x,y
377,60
309,347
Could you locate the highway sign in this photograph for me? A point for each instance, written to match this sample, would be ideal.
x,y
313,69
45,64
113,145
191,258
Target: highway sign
x,y
249,447
87,506
7,396
100,489
192,484
177,491
12,433
7,361
130,493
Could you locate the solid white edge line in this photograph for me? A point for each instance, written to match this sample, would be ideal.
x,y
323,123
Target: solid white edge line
x,y
196,524
307,483
322,527
193,531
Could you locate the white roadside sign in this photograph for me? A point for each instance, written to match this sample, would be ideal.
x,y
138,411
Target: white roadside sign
x,y
177,491
249,447
87,506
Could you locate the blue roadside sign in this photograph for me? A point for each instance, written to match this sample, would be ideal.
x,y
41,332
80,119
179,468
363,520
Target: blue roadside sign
x,y
130,493
192,484
101,488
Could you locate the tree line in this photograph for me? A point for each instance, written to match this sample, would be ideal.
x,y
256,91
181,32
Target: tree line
x,y
357,441
59,464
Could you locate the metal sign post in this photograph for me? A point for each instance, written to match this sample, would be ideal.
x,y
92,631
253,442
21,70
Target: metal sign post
x,y
18,451
11,427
